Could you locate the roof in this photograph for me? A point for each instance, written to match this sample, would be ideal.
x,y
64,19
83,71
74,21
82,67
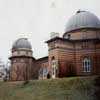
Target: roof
x,y
22,44
43,58
70,41
22,56
58,38
82,19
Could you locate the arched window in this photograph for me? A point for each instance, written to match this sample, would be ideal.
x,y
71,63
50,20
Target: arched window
x,y
53,64
86,64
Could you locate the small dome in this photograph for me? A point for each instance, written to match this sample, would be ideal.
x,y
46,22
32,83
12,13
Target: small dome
x,y
82,19
22,44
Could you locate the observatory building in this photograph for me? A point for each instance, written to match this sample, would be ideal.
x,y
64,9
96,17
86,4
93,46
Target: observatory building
x,y
76,53
21,60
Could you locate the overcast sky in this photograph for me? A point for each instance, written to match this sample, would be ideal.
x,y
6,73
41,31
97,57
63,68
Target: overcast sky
x,y
37,19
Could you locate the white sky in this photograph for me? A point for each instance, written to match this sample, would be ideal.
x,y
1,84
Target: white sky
x,y
37,19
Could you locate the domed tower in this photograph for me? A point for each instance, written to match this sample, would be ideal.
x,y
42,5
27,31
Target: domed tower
x,y
82,25
78,51
83,29
21,60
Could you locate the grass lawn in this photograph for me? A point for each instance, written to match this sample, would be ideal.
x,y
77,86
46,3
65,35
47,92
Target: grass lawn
x,y
75,88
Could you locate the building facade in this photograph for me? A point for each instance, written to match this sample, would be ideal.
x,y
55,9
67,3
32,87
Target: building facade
x,y
76,53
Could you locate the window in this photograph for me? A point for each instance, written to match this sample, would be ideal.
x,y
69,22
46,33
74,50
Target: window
x,y
53,64
18,52
86,64
84,35
85,44
40,73
45,72
69,35
26,52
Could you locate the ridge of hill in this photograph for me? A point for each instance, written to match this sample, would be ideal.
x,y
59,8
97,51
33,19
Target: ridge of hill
x,y
74,88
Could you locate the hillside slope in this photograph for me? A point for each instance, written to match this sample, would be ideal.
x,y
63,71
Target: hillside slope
x,y
79,88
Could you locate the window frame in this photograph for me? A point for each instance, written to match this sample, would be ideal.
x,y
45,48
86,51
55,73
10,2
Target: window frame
x,y
53,66
86,64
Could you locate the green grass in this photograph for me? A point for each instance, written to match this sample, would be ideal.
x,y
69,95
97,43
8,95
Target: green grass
x,y
58,89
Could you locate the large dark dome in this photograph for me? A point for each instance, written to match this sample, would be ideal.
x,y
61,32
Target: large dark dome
x,y
82,19
22,44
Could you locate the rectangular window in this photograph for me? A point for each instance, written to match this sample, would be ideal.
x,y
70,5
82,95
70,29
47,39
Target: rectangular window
x,y
85,45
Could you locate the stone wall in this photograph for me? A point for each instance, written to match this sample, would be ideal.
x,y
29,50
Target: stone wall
x,y
21,68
